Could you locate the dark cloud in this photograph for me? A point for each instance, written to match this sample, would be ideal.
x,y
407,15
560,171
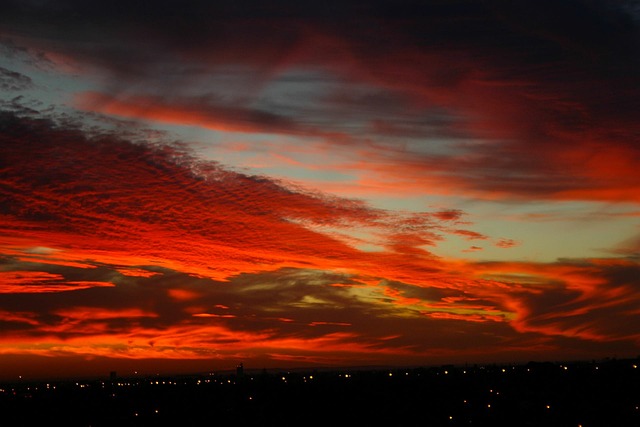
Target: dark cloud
x,y
593,300
203,111
629,247
553,85
14,81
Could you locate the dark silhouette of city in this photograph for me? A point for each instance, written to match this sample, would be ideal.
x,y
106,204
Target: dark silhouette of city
x,y
587,394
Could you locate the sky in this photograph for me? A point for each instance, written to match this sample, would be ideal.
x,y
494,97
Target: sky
x,y
189,185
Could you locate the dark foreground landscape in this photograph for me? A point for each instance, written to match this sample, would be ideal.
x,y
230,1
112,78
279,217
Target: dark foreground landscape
x,y
587,394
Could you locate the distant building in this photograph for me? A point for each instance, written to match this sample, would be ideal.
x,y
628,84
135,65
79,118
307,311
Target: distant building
x,y
113,376
240,370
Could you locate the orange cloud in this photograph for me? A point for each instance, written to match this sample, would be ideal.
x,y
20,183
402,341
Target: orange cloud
x,y
566,298
96,313
182,294
506,243
136,272
21,317
16,282
135,197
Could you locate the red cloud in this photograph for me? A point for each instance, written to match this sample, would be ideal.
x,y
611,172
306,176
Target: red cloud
x,y
16,282
112,201
152,209
470,235
94,313
449,215
571,299
506,243
136,272
182,294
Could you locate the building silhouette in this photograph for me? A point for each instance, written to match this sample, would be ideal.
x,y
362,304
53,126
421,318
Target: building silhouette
x,y
240,370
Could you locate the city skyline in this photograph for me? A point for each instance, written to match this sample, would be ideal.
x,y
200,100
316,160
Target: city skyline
x,y
187,186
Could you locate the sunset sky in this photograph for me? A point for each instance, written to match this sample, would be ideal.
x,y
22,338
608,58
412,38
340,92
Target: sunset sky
x,y
189,185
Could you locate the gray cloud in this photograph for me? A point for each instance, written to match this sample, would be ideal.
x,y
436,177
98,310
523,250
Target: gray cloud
x,y
14,81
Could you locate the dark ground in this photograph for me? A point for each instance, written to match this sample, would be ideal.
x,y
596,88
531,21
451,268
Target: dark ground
x,y
587,394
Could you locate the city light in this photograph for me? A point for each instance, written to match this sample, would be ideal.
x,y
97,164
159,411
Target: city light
x,y
238,397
